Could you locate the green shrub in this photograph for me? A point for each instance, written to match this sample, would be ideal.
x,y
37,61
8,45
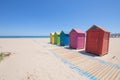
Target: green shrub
x,y
1,56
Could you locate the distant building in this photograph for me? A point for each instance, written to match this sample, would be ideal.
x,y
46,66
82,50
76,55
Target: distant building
x,y
115,35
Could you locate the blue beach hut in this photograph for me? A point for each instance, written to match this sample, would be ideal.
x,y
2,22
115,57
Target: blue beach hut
x,y
64,38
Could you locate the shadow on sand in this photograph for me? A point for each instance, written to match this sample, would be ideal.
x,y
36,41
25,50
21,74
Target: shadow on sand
x,y
69,48
87,53
49,43
82,52
79,51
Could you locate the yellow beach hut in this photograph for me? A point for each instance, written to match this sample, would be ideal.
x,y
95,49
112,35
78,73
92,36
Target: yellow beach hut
x,y
52,38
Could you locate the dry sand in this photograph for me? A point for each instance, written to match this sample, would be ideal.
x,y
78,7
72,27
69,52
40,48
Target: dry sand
x,y
31,60
113,55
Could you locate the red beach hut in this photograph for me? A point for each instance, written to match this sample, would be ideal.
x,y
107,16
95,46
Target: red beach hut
x,y
77,39
97,40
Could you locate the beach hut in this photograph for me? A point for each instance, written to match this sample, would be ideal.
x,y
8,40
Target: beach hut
x,y
64,38
52,38
77,39
97,40
57,38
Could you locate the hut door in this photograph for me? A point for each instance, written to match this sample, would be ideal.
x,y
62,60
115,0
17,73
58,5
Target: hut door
x,y
93,41
80,42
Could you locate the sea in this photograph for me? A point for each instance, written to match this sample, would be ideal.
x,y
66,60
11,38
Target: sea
x,y
24,36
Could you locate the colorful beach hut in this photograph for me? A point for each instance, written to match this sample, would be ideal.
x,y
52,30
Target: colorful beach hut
x,y
64,38
57,38
77,39
97,40
52,38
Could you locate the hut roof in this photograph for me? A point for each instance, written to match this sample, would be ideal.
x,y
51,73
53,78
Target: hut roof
x,y
58,33
99,27
66,32
52,33
78,30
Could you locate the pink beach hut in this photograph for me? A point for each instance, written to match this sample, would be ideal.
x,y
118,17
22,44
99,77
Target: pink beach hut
x,y
77,39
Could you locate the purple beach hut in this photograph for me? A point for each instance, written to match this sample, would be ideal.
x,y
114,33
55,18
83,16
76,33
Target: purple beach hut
x,y
77,39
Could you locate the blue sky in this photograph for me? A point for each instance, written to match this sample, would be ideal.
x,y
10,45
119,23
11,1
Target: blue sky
x,y
40,17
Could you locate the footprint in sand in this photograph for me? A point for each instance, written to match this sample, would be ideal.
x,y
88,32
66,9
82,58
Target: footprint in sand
x,y
31,76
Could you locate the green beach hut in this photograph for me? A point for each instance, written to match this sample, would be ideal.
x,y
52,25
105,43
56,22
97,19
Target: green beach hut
x,y
52,38
57,38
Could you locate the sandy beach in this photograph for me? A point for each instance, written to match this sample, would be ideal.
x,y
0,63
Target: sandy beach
x,y
34,59
30,60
